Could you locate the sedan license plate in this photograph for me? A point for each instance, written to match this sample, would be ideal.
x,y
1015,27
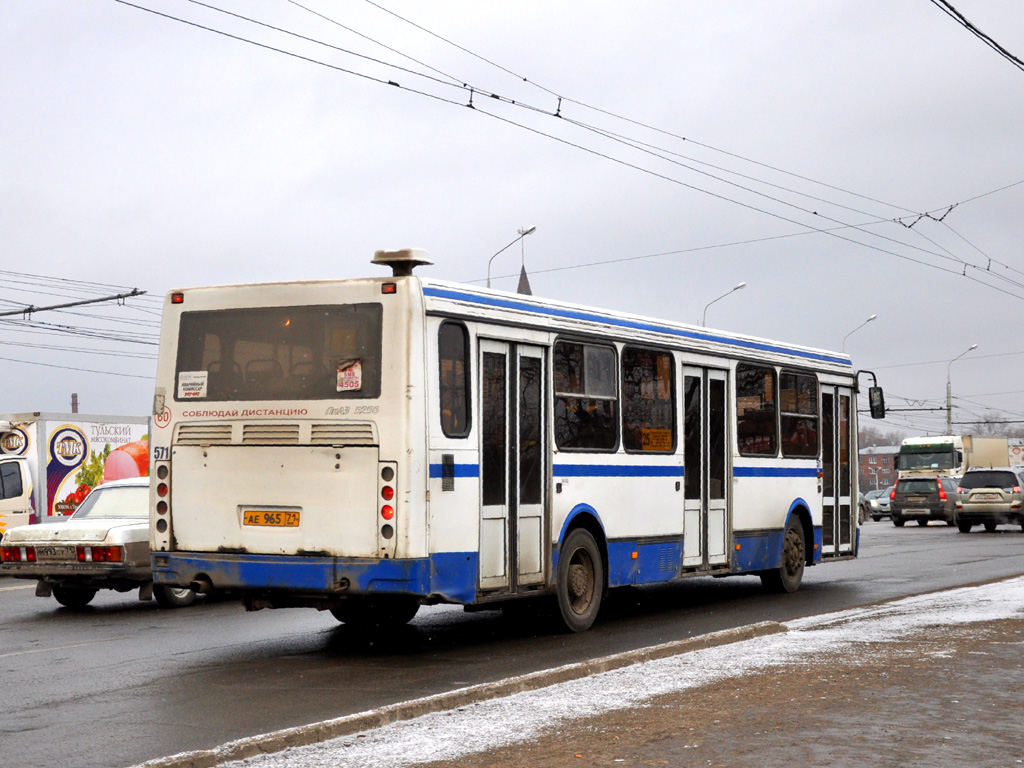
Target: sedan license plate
x,y
987,496
270,518
56,552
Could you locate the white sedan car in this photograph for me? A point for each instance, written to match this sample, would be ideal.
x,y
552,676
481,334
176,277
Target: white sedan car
x,y
104,545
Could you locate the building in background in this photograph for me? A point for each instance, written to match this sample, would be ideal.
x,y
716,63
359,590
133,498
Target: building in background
x,y
876,467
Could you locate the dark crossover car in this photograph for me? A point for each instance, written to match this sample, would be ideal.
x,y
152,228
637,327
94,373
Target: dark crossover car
x,y
923,499
104,545
989,497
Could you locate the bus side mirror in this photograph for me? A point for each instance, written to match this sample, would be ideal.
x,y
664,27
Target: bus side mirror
x,y
876,401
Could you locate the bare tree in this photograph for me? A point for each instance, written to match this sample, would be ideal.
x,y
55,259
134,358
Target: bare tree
x,y
872,437
995,424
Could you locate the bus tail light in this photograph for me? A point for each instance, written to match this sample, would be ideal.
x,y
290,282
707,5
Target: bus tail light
x,y
387,508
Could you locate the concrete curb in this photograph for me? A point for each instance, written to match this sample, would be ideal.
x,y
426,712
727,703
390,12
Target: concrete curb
x,y
364,721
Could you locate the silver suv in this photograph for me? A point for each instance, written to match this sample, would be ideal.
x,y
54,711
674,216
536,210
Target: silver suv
x,y
989,497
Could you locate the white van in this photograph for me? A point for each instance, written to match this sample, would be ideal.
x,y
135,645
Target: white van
x,y
15,492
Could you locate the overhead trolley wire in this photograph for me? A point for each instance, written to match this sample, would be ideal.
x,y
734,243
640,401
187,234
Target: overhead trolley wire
x,y
493,96
72,368
709,147
963,21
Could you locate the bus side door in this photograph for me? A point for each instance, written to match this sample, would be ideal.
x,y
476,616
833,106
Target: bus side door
x,y
838,517
706,525
513,464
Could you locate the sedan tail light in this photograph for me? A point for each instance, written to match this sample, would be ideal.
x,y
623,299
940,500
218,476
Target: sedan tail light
x,y
100,554
17,554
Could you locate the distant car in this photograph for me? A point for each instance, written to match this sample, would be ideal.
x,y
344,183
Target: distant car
x,y
924,499
875,504
990,497
103,545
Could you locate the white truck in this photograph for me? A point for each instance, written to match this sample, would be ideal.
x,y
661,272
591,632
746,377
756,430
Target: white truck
x,y
49,462
951,455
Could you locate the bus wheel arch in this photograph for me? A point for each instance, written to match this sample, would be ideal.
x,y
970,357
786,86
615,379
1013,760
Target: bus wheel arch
x,y
581,573
795,556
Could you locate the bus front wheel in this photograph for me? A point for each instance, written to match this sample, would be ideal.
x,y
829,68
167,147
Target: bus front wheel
x,y
789,574
580,580
380,612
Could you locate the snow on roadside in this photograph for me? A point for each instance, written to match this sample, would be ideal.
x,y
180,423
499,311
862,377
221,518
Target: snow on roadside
x,y
523,716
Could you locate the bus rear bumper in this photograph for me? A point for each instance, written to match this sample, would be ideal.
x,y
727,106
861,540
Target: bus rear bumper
x,y
443,577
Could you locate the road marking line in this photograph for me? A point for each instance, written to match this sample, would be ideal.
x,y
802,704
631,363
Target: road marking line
x,y
56,648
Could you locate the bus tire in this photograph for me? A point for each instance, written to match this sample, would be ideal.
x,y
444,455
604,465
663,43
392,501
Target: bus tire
x,y
580,580
173,597
73,597
789,574
382,612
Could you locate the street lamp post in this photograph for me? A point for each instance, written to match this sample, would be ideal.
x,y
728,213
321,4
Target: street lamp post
x,y
522,233
949,390
857,329
704,317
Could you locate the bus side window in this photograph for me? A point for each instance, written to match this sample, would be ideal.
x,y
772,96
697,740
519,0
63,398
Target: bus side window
x,y
453,353
756,410
586,399
798,402
648,401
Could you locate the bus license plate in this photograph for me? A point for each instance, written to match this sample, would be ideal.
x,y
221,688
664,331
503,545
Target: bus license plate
x,y
270,518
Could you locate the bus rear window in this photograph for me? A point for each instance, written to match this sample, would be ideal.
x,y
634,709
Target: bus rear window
x,y
280,353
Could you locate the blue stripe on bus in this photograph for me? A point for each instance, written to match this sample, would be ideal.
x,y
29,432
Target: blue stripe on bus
x,y
452,575
775,471
461,470
568,314
615,470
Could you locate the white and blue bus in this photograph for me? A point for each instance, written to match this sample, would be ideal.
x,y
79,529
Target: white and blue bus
x,y
368,446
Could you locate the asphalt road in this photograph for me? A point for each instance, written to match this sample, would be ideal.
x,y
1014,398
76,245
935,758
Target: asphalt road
x,y
124,681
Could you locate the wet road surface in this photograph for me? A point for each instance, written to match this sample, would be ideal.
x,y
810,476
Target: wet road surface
x,y
123,681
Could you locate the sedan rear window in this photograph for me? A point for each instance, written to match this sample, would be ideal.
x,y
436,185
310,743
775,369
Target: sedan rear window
x,y
127,501
989,479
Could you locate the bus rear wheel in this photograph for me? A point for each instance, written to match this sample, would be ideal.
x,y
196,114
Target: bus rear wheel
x,y
382,612
789,574
173,597
580,577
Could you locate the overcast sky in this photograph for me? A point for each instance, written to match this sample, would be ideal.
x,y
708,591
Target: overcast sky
x,y
774,143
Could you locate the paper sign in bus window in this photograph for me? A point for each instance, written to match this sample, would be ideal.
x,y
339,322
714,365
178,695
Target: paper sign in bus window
x,y
192,385
350,375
